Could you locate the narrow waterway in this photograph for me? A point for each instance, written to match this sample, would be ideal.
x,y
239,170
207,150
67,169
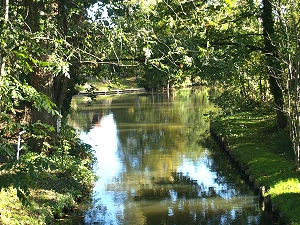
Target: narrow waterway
x,y
157,164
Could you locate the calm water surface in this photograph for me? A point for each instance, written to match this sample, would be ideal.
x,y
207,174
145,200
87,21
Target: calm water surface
x,y
156,164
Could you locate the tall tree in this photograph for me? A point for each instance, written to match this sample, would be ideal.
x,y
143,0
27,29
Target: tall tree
x,y
288,25
273,64
53,27
36,51
4,12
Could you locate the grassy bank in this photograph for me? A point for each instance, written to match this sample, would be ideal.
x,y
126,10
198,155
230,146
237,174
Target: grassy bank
x,y
266,156
53,182
51,204
46,207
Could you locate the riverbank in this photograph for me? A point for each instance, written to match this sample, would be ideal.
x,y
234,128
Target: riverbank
x,y
55,193
264,156
50,184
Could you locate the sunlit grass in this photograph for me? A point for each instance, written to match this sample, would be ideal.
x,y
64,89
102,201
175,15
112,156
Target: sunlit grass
x,y
45,206
53,194
12,211
267,153
291,185
287,194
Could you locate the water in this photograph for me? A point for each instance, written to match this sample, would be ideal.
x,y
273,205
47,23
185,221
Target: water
x,y
157,165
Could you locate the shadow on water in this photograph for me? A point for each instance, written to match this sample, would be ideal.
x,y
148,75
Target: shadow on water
x,y
154,167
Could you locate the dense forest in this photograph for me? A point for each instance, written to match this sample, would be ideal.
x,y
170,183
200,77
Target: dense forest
x,y
248,48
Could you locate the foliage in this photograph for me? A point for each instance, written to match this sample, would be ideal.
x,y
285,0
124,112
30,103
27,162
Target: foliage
x,y
41,51
232,101
179,39
64,167
244,46
287,40
47,48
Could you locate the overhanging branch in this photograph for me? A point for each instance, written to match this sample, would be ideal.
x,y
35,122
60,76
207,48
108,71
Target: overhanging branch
x,y
113,62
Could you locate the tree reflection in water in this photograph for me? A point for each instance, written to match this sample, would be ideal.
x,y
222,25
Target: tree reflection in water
x,y
153,167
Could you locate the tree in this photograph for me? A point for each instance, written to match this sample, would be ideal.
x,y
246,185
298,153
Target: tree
x,y
273,64
219,39
50,27
4,12
288,22
36,53
169,41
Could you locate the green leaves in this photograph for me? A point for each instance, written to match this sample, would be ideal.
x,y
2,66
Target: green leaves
x,y
47,42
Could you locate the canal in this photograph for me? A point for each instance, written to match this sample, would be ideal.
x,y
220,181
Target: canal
x,y
156,163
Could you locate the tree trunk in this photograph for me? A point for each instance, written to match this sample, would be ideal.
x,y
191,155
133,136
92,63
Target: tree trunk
x,y
5,10
60,88
61,81
44,81
273,64
294,98
41,79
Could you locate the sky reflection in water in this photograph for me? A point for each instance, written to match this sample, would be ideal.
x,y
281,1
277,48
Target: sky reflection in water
x,y
164,185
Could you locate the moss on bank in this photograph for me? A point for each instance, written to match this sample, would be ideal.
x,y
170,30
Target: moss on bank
x,y
266,155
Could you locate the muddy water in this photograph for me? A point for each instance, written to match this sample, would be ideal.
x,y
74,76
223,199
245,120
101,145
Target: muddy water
x,y
157,165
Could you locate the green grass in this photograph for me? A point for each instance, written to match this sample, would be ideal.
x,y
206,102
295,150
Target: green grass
x,y
12,211
268,154
52,192
50,200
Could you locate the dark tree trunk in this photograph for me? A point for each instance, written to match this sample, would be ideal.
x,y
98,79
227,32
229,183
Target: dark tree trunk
x,y
40,79
60,84
45,82
272,63
61,81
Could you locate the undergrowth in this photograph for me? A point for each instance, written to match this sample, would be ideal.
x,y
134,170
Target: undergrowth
x,y
47,185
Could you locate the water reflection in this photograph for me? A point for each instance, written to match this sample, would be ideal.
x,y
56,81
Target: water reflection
x,y
151,167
